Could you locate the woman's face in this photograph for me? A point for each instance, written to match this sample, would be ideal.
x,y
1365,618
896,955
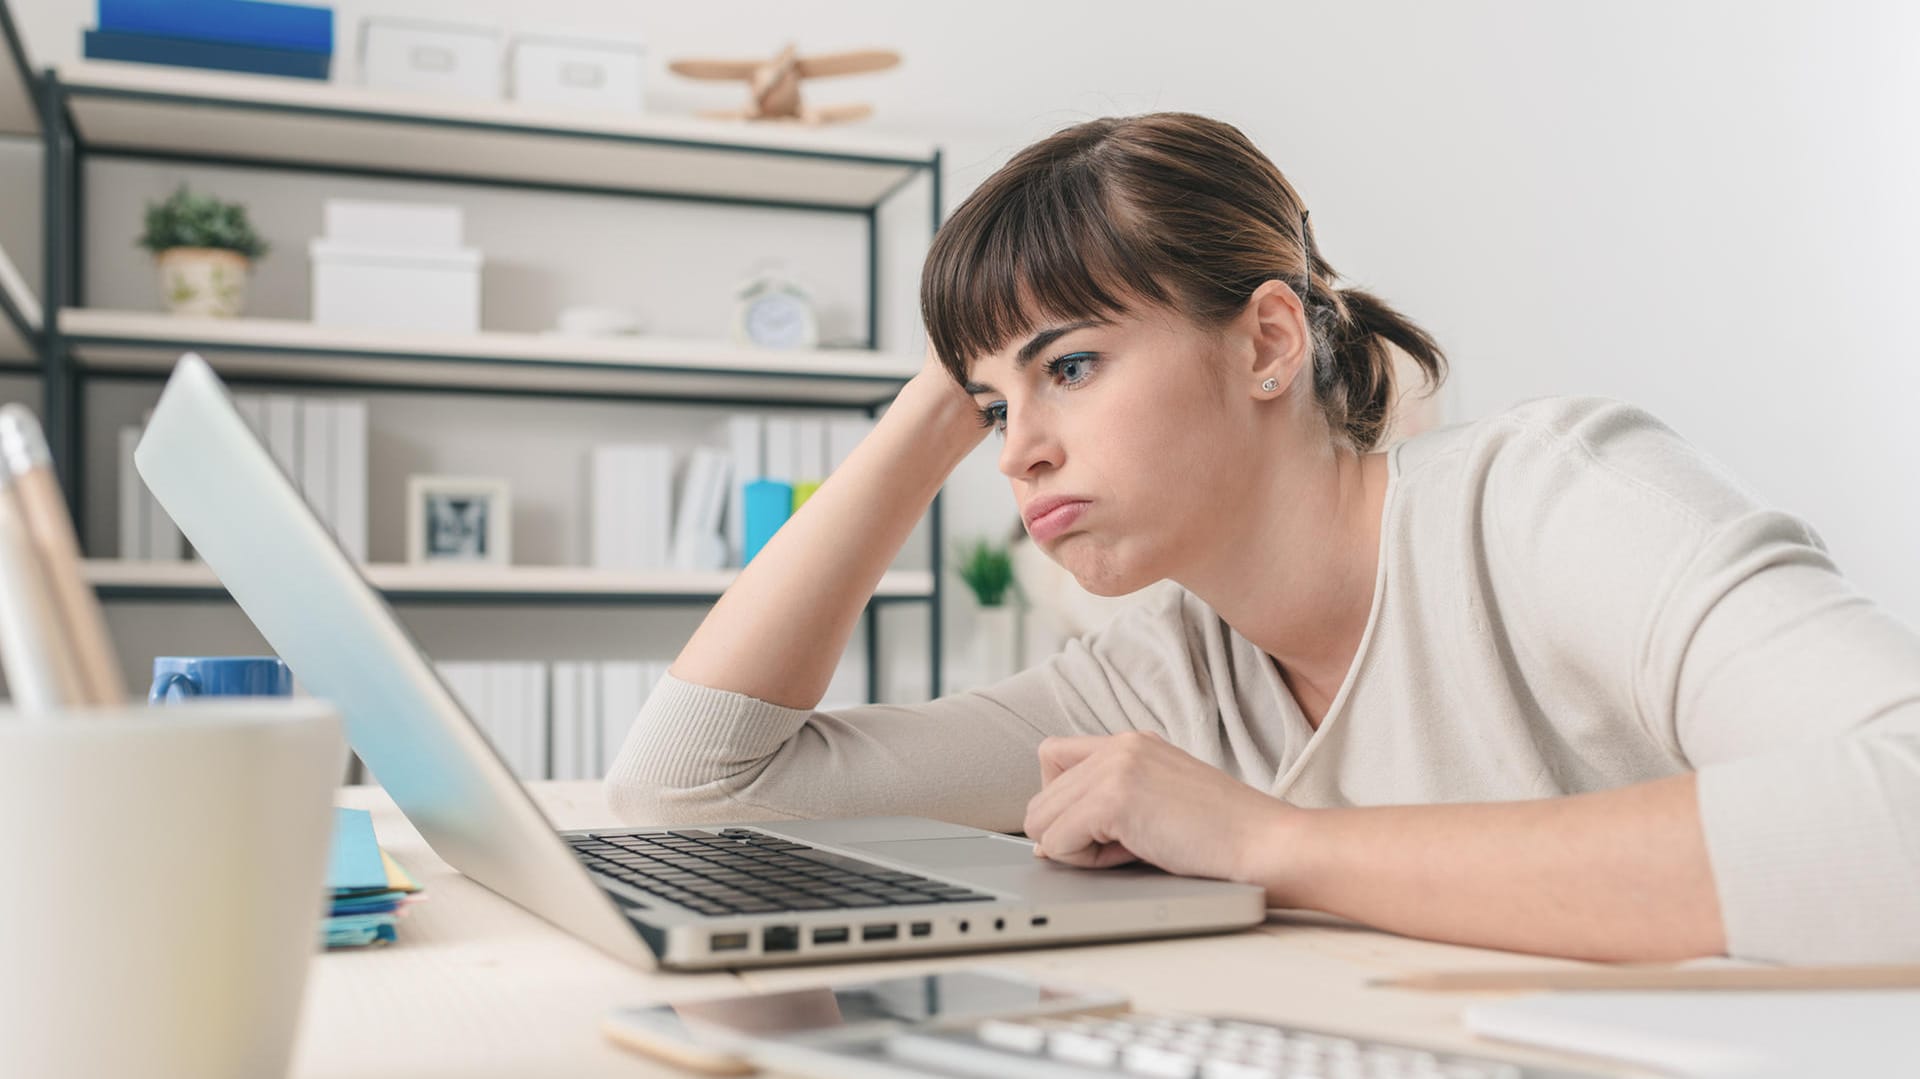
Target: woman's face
x,y
1135,417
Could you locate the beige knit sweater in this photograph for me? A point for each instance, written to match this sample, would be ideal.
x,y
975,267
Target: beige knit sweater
x,y
1570,598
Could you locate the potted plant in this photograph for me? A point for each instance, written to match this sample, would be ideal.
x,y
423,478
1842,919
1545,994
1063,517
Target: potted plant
x,y
987,569
204,249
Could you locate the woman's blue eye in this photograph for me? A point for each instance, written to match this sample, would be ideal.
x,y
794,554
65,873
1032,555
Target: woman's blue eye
x,y
995,415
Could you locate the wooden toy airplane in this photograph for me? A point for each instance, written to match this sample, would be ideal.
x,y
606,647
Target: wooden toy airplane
x,y
775,83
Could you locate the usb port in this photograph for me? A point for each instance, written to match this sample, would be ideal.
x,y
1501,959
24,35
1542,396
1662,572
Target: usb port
x,y
1039,919
879,932
780,938
921,929
727,942
836,935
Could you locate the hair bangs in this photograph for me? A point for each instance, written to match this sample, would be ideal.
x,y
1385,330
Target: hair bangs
x,y
1021,255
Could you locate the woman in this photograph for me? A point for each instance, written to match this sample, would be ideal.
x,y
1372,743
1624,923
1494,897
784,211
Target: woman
x,y
1550,681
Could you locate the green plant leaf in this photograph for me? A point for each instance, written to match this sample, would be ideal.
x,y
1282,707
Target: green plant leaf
x,y
987,569
184,219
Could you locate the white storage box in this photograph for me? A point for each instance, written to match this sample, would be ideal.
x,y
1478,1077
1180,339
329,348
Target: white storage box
x,y
417,56
393,224
392,289
546,69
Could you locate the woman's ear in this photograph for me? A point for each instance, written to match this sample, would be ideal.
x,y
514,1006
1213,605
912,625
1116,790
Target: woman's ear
x,y
1277,327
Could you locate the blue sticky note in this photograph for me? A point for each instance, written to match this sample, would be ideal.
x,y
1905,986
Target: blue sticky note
x,y
353,863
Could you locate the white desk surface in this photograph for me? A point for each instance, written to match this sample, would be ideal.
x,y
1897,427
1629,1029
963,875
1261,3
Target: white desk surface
x,y
477,987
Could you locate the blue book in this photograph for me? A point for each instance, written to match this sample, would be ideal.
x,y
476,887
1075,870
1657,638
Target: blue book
x,y
179,52
296,27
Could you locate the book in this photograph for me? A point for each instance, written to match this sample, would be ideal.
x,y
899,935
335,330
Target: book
x,y
696,543
214,55
745,440
292,27
782,450
350,476
133,500
621,689
316,459
282,433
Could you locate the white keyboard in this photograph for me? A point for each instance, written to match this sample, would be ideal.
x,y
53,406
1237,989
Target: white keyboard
x,y
1185,1047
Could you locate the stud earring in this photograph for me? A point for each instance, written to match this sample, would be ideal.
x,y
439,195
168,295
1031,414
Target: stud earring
x,y
1270,384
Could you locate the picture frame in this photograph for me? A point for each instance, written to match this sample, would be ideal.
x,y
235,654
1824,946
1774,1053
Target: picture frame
x,y
459,520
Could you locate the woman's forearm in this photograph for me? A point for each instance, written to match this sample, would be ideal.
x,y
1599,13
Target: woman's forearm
x,y
1612,875
779,631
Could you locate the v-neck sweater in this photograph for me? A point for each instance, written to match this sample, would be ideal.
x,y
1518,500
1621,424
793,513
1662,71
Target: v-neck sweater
x,y
1570,597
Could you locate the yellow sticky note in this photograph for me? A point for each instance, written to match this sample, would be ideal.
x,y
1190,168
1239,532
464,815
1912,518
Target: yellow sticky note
x,y
397,879
802,491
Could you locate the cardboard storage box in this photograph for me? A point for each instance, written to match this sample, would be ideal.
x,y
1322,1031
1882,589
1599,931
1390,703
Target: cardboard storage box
x,y
419,56
394,288
572,72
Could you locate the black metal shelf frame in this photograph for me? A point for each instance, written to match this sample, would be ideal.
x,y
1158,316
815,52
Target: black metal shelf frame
x,y
65,153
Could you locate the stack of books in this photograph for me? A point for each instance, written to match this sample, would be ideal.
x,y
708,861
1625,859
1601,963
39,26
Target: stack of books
x,y
368,889
638,522
226,35
319,442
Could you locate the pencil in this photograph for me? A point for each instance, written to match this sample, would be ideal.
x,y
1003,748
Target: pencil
x,y
1880,976
25,456
33,650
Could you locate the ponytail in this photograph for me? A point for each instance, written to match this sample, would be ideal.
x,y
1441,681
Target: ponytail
x,y
1353,367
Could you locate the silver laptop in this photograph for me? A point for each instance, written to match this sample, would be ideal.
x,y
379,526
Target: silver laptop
x,y
750,894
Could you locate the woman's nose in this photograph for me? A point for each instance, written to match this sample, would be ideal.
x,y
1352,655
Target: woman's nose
x,y
1029,444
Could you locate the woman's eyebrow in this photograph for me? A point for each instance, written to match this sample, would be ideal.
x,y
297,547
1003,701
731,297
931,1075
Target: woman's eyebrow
x,y
1032,348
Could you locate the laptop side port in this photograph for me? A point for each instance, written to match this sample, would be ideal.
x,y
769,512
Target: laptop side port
x,y
1039,919
836,934
780,938
727,942
921,929
888,931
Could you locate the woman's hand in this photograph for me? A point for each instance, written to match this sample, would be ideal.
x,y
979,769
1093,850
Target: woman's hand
x,y
1109,799
949,405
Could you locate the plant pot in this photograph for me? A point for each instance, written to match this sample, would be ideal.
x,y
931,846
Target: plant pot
x,y
207,281
996,643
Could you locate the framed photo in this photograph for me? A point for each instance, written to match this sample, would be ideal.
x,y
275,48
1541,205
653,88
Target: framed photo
x,y
459,519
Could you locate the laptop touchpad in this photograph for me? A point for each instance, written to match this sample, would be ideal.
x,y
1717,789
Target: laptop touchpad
x,y
952,853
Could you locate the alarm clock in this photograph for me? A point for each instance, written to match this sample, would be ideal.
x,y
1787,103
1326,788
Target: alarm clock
x,y
770,311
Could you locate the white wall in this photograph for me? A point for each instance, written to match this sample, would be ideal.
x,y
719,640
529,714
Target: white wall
x,y
1706,208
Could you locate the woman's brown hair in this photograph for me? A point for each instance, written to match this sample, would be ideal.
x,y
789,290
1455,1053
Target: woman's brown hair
x,y
1172,207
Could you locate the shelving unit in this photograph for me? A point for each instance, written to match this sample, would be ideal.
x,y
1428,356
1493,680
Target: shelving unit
x,y
20,320
278,350
92,110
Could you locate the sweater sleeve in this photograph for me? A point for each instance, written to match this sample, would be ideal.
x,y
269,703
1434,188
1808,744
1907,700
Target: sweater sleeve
x,y
1663,587
701,755
1797,700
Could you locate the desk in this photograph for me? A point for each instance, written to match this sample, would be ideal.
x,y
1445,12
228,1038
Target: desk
x,y
477,987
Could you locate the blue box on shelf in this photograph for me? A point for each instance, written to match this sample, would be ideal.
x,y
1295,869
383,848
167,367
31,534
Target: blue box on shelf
x,y
180,52
294,27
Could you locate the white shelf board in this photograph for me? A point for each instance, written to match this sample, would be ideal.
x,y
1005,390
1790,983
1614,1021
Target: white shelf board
x,y
668,367
19,112
150,108
556,581
19,311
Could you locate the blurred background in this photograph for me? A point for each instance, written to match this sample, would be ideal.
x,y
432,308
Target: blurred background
x,y
1706,208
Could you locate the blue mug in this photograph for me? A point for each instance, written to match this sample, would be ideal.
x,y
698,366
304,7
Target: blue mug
x,y
179,677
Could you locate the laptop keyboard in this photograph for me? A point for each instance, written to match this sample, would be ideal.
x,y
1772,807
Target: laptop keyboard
x,y
741,871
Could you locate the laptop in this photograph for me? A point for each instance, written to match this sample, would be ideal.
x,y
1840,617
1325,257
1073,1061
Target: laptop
x,y
714,896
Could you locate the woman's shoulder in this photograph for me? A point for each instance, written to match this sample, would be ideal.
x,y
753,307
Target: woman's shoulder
x,y
1549,449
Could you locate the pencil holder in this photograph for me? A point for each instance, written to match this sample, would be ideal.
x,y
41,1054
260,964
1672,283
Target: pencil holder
x,y
165,881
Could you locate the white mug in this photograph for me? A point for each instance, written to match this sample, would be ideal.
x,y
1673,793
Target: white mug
x,y
162,882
